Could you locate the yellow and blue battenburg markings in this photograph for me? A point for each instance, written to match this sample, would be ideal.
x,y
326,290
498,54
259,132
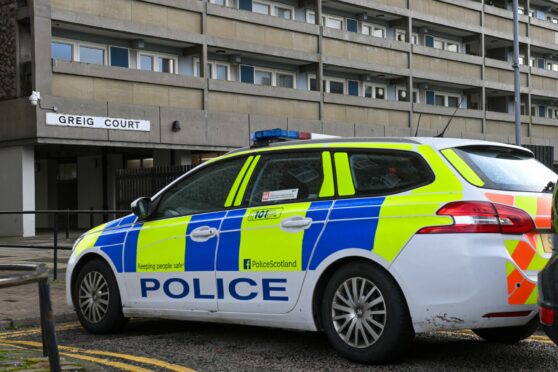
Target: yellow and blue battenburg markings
x,y
352,223
251,239
110,239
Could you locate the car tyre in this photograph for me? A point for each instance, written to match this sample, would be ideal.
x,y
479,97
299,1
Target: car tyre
x,y
97,298
365,315
508,335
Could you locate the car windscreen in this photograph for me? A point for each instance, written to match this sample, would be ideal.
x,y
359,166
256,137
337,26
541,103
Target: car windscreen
x,y
508,169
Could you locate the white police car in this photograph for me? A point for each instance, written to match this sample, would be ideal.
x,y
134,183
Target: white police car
x,y
369,240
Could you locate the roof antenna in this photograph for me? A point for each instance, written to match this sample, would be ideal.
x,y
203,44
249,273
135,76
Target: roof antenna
x,y
450,119
418,124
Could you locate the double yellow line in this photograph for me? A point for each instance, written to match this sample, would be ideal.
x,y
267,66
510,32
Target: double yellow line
x,y
94,356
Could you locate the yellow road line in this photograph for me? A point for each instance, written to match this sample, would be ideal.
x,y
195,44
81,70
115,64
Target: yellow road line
x,y
36,330
110,363
133,358
534,338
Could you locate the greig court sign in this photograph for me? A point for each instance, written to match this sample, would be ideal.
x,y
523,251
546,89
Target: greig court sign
x,y
82,121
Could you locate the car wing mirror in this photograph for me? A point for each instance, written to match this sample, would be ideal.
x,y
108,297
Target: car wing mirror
x,y
141,207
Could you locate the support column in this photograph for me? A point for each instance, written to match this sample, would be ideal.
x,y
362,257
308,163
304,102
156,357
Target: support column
x,y
17,190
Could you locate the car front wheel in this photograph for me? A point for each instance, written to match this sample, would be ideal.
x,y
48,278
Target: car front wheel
x,y
365,316
97,298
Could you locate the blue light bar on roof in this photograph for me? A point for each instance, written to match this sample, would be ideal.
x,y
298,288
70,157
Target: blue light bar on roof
x,y
274,135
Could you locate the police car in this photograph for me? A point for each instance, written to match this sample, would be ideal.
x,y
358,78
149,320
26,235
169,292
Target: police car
x,y
369,240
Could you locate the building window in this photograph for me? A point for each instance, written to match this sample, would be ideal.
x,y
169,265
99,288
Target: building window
x,y
400,35
443,44
283,12
218,2
93,55
261,8
119,57
165,65
274,9
156,62
215,70
374,91
336,86
443,99
62,51
146,62
262,77
311,17
327,20
333,22
453,101
373,30
285,80
402,95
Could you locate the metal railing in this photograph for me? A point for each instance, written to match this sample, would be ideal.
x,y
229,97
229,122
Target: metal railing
x,y
38,273
56,227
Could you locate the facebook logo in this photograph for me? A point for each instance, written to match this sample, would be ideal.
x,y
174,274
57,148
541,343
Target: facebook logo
x,y
247,264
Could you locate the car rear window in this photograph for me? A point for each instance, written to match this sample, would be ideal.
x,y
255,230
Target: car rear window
x,y
384,173
508,169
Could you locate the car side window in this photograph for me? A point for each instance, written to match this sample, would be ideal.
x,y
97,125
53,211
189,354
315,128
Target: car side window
x,y
283,178
379,173
203,191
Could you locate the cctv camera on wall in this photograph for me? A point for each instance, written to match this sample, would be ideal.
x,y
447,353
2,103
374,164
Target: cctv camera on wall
x,y
34,98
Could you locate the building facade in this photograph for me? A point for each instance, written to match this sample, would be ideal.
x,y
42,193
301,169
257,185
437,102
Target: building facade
x,y
127,84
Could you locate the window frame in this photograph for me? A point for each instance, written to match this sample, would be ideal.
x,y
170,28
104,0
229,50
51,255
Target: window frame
x,y
155,56
196,64
317,151
445,44
87,44
400,88
273,8
77,44
110,46
264,69
156,199
72,43
373,27
446,98
282,72
374,87
399,31
357,150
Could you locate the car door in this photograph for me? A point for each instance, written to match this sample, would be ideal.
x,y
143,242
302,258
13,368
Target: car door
x,y
169,259
266,244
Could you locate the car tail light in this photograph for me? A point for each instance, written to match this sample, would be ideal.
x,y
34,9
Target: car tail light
x,y
482,217
546,316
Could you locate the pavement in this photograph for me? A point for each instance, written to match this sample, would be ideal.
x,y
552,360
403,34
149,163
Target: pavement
x,y
19,306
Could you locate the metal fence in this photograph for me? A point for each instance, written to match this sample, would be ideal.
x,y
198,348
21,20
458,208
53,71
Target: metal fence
x,y
134,183
544,154
39,274
57,228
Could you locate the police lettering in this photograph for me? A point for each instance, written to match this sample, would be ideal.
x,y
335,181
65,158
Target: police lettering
x,y
122,123
241,289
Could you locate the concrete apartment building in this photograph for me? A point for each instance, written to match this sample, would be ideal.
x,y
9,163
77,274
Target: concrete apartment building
x,y
126,84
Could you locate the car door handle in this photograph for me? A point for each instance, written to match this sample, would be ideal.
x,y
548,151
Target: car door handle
x,y
296,223
203,234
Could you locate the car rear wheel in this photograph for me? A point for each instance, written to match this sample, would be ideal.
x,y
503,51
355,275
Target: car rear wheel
x,y
365,316
508,335
97,298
